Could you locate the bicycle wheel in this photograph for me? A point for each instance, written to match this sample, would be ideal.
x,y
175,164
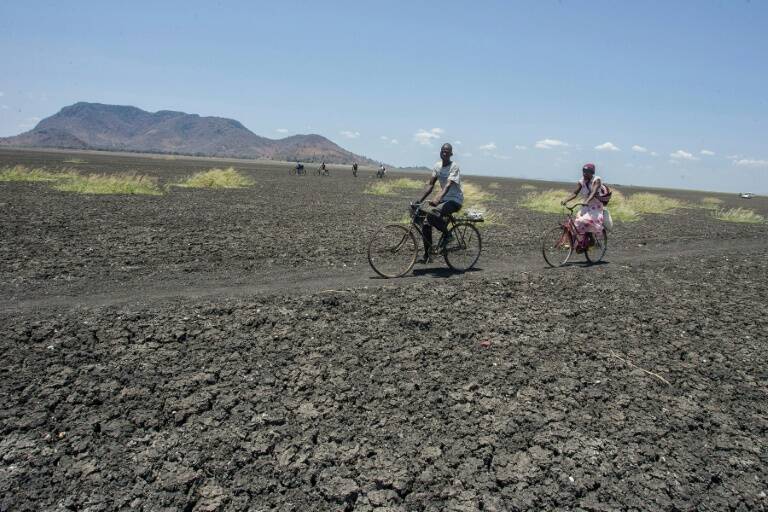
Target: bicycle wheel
x,y
463,251
392,251
596,252
556,246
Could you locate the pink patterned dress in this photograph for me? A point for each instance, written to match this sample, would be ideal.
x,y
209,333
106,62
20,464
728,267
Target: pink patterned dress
x,y
590,217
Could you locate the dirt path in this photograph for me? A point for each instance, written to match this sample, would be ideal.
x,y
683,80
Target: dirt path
x,y
288,281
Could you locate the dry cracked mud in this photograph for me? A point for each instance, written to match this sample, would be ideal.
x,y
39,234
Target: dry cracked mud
x,y
637,384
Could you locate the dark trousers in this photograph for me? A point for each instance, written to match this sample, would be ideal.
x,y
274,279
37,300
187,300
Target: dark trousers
x,y
436,218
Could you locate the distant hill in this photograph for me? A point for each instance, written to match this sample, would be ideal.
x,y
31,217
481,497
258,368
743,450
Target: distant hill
x,y
125,128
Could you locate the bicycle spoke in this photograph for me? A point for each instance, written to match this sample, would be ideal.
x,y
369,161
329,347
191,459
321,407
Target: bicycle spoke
x,y
464,249
392,251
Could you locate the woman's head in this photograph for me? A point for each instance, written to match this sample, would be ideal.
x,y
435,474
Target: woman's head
x,y
588,171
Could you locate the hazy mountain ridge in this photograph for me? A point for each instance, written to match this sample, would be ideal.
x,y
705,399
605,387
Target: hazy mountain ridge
x,y
126,128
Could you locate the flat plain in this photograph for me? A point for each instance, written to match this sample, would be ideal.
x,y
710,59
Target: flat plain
x,y
232,350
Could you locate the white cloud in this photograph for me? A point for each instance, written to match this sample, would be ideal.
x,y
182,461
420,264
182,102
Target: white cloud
x,y
387,139
393,141
682,155
488,147
653,153
2,94
639,149
350,135
384,138
748,162
502,157
466,155
733,157
521,148
426,137
707,152
282,130
4,107
458,143
607,146
551,143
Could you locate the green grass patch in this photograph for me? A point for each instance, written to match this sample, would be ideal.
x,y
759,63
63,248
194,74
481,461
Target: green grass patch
x,y
474,194
393,187
22,173
494,186
547,201
124,184
75,161
645,202
526,186
623,208
217,178
743,215
710,203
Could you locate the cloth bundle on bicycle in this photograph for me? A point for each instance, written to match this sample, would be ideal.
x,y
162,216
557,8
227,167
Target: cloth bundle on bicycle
x,y
603,195
607,220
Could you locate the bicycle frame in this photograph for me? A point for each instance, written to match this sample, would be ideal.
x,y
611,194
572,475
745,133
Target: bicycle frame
x,y
450,224
569,224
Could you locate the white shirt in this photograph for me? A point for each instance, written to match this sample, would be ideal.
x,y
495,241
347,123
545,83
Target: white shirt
x,y
446,174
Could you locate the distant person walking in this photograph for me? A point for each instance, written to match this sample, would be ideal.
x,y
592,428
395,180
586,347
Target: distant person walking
x,y
354,169
449,201
382,171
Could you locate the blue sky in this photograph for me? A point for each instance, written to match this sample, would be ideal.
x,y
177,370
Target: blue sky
x,y
656,93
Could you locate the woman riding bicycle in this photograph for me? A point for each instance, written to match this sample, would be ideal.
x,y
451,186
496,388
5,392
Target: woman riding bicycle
x,y
590,187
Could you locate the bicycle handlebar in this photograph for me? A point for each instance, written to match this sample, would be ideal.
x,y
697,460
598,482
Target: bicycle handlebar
x,y
571,208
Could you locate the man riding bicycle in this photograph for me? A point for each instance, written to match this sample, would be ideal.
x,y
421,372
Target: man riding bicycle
x,y
449,201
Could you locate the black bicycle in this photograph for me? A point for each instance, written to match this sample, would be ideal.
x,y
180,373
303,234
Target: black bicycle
x,y
297,170
393,249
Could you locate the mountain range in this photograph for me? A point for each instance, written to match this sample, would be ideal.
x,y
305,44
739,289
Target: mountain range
x,y
125,128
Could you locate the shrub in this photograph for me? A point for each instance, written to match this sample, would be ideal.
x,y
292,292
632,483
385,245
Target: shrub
x,y
623,208
739,215
22,173
114,184
645,202
217,178
393,187
710,203
547,201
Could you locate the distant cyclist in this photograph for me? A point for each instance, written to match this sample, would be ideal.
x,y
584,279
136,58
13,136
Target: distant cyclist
x,y
590,187
322,169
299,168
381,172
449,201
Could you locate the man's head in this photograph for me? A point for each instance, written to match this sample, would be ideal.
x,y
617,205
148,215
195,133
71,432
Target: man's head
x,y
446,152
588,171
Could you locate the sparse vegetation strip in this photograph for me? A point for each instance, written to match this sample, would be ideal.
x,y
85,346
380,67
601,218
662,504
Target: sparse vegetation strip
x,y
623,208
393,187
22,173
217,178
128,184
742,215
